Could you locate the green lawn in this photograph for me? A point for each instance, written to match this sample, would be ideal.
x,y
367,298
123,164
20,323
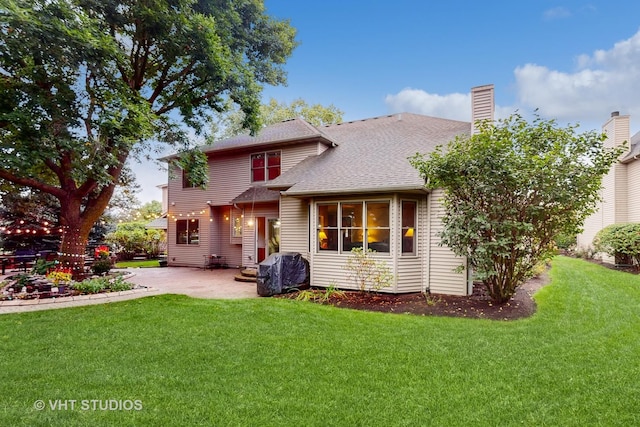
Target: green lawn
x,y
274,362
138,263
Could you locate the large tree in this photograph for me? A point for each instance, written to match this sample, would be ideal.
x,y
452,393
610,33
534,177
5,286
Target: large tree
x,y
510,189
85,84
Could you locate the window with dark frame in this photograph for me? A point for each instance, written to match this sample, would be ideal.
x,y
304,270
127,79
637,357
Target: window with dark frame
x,y
185,180
378,231
347,225
265,166
188,231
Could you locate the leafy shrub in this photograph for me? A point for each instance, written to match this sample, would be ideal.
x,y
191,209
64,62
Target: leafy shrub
x,y
41,266
367,272
91,286
621,241
565,241
118,284
102,265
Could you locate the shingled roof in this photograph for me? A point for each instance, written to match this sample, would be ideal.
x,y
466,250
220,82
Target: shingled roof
x,y
634,149
282,133
371,156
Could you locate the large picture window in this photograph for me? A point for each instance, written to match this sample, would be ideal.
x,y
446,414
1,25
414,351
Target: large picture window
x,y
347,225
409,209
187,231
265,166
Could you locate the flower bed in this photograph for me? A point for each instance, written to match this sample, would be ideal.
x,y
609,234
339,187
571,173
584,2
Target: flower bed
x,y
59,284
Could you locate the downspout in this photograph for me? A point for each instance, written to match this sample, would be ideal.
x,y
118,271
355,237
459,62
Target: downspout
x,y
469,279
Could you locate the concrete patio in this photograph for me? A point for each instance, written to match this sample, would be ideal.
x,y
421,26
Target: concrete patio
x,y
193,282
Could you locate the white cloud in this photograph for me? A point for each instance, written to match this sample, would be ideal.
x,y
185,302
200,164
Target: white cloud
x,y
556,13
605,81
455,106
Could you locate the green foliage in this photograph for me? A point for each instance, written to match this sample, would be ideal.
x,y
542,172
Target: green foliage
x,y
229,124
565,241
91,286
510,189
87,84
194,164
318,295
41,266
575,363
368,273
131,238
316,114
102,265
621,241
118,284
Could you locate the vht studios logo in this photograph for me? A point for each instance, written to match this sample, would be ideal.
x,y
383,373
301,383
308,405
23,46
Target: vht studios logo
x,y
88,405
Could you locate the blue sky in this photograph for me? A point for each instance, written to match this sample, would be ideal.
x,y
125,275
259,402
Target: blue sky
x,y
576,61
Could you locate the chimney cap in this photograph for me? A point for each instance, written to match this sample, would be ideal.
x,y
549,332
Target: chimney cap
x,y
615,113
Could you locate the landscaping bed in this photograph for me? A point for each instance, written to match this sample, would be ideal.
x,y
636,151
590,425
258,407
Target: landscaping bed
x,y
36,286
477,305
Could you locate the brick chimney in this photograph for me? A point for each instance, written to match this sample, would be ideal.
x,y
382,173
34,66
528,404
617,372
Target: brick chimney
x,y
482,105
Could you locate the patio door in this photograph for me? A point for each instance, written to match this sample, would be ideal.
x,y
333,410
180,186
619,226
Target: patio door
x,y
267,237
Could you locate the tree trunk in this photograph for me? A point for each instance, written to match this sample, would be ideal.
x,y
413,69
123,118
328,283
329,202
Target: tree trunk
x,y
73,249
77,222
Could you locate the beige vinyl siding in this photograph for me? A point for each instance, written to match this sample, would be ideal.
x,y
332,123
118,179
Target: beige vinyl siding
x,y
410,269
633,201
482,104
591,226
229,176
442,262
291,156
221,243
189,255
294,226
616,205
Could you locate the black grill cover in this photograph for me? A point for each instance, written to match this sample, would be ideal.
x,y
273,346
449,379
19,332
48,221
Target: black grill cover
x,y
282,272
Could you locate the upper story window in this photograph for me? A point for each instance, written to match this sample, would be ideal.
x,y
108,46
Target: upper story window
x,y
185,180
265,166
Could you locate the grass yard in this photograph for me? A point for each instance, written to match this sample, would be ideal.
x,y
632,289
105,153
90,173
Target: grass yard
x,y
275,362
147,263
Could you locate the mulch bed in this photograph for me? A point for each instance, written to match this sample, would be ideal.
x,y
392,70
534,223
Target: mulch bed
x,y
477,305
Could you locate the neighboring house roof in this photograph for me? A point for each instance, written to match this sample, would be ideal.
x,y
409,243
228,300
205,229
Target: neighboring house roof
x,y
634,149
371,155
158,223
258,194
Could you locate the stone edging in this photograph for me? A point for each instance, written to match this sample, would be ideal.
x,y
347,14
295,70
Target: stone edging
x,y
75,300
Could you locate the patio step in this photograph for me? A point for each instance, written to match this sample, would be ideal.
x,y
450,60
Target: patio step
x,y
247,275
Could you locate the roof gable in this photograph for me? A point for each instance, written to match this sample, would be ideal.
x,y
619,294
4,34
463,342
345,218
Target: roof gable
x,y
371,155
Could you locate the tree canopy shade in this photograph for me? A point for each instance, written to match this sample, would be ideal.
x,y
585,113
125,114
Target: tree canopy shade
x,y
510,189
84,84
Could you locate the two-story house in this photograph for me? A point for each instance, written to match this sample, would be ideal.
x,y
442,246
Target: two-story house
x,y
321,192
